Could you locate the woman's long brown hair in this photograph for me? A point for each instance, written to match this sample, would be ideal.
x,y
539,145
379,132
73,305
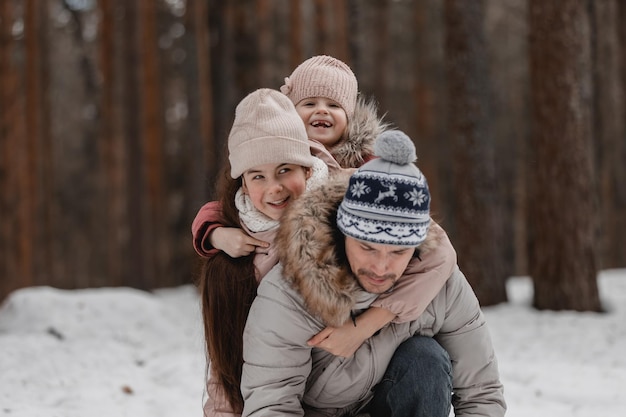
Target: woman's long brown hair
x,y
227,287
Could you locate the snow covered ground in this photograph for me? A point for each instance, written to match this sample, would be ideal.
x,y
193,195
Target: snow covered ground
x,y
123,352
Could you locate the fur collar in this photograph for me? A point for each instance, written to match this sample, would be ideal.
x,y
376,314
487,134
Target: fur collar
x,y
312,262
365,126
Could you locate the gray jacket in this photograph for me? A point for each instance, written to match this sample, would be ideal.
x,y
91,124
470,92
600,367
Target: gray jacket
x,y
312,288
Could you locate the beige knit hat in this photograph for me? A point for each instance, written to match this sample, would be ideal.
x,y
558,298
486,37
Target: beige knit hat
x,y
267,129
323,76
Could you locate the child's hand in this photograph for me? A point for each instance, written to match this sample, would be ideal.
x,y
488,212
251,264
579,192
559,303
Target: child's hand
x,y
235,242
345,340
340,341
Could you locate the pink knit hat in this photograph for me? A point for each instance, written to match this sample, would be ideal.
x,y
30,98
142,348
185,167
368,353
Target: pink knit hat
x,y
323,76
267,130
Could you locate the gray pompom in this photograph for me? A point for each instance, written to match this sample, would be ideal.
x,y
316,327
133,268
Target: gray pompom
x,y
395,146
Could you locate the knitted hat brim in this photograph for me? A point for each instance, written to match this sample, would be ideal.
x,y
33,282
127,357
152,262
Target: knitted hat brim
x,y
269,150
369,227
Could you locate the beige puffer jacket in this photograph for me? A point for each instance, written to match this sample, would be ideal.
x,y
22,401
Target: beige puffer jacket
x,y
310,289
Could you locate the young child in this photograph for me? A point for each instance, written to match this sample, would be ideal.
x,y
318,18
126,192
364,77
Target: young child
x,y
325,93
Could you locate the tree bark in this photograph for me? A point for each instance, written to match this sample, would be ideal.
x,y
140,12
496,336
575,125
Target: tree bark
x,y
477,205
562,197
15,265
506,29
428,119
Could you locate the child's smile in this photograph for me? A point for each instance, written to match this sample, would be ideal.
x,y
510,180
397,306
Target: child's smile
x,y
325,120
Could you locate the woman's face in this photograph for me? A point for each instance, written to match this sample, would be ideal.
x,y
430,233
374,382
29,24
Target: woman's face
x,y
272,187
325,120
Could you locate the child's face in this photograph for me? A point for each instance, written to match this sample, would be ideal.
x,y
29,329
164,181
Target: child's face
x,y
272,187
325,119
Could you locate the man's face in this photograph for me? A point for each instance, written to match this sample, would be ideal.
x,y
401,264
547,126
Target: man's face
x,y
377,267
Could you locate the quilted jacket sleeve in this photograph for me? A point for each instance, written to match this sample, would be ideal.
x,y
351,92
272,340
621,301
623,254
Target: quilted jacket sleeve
x,y
276,363
465,336
207,219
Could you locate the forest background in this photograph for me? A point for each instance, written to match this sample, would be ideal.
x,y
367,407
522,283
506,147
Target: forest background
x,y
114,116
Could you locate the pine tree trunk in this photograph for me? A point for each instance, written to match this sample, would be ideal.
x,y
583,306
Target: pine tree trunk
x,y
610,128
562,197
15,266
477,205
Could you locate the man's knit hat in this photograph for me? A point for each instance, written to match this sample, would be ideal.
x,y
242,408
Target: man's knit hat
x,y
323,76
267,130
387,200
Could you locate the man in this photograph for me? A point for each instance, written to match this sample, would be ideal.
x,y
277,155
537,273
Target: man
x,y
340,249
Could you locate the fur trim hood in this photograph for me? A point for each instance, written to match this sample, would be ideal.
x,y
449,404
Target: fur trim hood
x,y
364,127
311,252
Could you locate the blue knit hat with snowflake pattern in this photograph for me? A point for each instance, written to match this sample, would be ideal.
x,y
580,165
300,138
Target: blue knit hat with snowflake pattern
x,y
387,200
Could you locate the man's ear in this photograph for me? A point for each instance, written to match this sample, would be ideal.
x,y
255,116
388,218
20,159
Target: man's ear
x,y
308,172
